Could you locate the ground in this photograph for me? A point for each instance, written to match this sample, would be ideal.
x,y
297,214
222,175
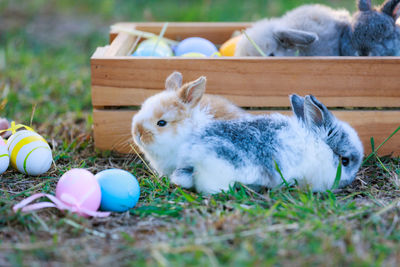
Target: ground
x,y
45,81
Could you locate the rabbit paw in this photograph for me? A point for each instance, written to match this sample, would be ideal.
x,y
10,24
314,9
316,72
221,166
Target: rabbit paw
x,y
183,177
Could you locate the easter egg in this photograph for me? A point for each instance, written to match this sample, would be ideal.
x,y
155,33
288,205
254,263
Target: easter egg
x,y
119,190
29,153
2,142
79,188
150,47
4,158
193,54
228,48
196,45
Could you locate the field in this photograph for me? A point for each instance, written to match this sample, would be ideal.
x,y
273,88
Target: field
x,y
45,46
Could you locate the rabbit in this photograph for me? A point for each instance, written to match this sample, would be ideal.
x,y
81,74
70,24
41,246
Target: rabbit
x,y
307,148
309,30
165,120
374,30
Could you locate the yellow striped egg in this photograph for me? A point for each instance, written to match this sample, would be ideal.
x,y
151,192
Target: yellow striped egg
x,y
4,158
29,153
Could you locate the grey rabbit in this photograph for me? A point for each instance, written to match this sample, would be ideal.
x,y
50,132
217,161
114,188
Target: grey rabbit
x,y
309,30
374,30
307,147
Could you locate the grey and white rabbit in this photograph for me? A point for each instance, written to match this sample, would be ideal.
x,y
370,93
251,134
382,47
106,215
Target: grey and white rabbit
x,y
307,147
309,30
167,119
374,30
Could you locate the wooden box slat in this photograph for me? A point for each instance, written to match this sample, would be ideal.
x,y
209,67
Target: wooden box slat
x,y
119,97
112,128
372,81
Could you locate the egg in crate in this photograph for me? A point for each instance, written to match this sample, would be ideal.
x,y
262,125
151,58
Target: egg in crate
x,y
196,45
29,152
193,54
228,48
153,47
4,157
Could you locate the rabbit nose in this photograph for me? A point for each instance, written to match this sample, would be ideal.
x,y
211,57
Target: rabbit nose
x,y
143,135
135,132
137,137
364,52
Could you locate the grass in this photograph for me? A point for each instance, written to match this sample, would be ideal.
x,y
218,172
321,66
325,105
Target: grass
x,y
45,76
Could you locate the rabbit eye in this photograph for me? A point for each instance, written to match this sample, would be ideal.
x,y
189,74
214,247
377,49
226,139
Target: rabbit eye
x,y
345,161
161,123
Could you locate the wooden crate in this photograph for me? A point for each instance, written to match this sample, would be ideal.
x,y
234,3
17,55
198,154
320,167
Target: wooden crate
x,y
362,91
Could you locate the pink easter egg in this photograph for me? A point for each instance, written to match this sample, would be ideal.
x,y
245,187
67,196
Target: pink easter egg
x,y
2,143
79,188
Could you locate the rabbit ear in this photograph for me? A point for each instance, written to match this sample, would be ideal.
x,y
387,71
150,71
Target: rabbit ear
x,y
316,114
364,5
192,92
293,38
174,81
396,12
297,106
388,7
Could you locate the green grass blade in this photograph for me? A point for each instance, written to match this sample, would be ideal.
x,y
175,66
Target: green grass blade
x,y
381,163
376,150
372,144
280,173
338,175
188,197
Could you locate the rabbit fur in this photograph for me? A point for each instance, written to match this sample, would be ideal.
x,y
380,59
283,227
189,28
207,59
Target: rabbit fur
x,y
374,30
309,30
184,108
307,148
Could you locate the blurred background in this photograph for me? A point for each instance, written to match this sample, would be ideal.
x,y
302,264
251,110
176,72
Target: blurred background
x,y
45,45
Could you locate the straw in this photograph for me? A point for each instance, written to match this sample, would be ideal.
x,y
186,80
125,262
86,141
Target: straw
x,y
146,35
164,28
254,44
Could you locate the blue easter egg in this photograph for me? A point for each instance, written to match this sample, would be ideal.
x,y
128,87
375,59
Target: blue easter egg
x,y
119,190
195,45
146,48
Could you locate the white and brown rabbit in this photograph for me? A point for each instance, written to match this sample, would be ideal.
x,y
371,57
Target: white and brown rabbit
x,y
309,30
167,119
307,148
374,30
183,140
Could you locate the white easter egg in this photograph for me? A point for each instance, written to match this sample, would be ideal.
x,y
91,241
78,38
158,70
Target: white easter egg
x,y
29,153
4,159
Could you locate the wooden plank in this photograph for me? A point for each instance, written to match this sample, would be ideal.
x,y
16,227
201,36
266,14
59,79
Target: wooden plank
x,y
216,32
116,96
112,128
121,45
372,81
100,51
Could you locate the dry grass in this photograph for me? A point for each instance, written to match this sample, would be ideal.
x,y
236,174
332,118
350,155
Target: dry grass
x,y
169,227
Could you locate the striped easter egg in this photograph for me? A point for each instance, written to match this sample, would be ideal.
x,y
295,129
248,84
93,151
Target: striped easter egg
x,y
4,158
29,153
